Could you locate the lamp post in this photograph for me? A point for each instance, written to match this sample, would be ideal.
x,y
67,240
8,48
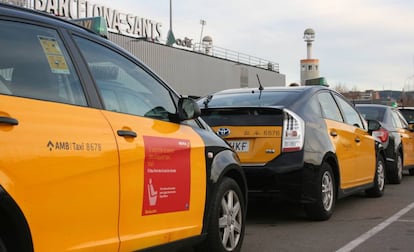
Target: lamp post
x,y
170,36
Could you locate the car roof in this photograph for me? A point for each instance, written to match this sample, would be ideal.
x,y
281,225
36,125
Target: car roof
x,y
373,105
38,16
407,108
271,88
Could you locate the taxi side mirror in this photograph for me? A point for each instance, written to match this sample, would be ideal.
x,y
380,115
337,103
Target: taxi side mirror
x,y
373,125
187,109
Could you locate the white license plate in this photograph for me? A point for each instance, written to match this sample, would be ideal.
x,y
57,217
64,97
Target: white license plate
x,y
239,146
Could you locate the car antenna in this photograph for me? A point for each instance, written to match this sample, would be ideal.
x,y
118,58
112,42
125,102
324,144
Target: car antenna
x,y
207,100
260,86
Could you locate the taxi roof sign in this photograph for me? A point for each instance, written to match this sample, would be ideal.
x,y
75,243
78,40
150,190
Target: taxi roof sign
x,y
317,81
95,24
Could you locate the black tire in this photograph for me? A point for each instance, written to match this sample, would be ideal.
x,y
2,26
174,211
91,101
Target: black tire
x,y
395,174
379,180
2,246
325,191
226,224
411,172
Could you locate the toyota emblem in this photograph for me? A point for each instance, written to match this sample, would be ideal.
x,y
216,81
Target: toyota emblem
x,y
223,132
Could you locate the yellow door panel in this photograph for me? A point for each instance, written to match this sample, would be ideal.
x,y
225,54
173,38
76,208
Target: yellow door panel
x,y
355,150
365,156
255,144
163,181
62,170
407,138
343,141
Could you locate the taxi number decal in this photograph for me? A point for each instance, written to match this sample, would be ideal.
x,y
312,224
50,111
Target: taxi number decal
x,y
166,175
73,146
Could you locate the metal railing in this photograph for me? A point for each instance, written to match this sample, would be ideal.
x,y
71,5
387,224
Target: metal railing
x,y
235,56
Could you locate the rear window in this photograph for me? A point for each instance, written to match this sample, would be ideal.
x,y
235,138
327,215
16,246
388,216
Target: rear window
x,y
372,113
251,99
408,114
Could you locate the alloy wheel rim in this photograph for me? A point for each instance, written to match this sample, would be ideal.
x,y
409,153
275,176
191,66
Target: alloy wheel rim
x,y
380,175
230,220
327,191
400,168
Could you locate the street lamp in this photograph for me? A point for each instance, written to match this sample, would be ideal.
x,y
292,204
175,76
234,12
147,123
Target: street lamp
x,y
170,36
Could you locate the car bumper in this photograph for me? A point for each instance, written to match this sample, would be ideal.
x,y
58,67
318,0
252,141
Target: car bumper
x,y
288,176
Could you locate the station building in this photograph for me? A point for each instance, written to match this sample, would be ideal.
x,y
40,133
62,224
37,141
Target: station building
x,y
194,69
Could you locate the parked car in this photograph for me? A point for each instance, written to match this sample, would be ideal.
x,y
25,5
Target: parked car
x,y
408,113
306,142
396,136
99,154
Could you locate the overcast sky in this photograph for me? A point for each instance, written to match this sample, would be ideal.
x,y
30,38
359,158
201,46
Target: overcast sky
x,y
362,44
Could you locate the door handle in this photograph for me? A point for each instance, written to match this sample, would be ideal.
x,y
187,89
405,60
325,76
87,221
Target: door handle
x,y
357,139
333,133
8,120
126,133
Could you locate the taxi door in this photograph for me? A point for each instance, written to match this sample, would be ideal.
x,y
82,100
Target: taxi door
x,y
363,144
59,158
162,163
162,180
64,160
342,138
407,137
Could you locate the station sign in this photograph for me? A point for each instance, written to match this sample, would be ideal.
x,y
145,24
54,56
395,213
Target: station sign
x,y
116,21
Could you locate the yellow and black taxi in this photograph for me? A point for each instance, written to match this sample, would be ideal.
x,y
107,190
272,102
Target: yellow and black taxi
x,y
396,136
408,113
99,154
307,142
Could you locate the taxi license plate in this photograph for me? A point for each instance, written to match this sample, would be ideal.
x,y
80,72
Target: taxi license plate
x,y
240,146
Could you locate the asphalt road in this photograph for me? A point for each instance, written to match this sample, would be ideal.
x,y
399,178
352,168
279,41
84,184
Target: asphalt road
x,y
359,223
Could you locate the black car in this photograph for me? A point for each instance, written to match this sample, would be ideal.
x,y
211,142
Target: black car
x,y
308,143
395,135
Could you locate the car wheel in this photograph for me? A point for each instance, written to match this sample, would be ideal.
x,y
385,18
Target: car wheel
x,y
2,246
226,224
323,207
379,180
411,172
395,174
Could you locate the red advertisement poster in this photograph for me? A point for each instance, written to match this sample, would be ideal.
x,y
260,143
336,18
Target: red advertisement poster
x,y
166,175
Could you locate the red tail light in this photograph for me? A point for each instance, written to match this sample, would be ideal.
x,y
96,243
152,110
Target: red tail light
x,y
293,132
381,134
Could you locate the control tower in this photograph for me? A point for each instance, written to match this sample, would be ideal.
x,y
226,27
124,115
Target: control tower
x,y
309,67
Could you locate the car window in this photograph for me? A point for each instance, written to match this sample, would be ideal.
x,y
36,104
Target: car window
x,y
372,113
329,107
408,114
123,85
396,121
34,63
350,114
402,119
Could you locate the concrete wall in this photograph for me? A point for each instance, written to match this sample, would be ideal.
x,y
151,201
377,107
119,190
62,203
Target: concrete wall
x,y
193,73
